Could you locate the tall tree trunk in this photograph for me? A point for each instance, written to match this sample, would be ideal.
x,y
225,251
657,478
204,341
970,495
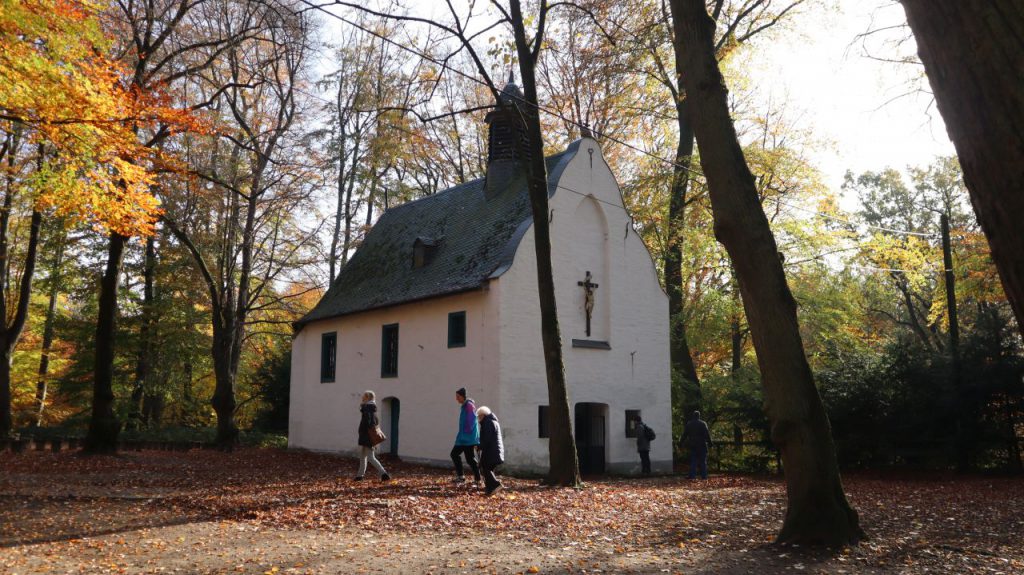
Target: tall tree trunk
x,y
915,321
103,425
973,54
682,360
346,243
734,328
817,512
370,197
1013,461
10,333
563,464
142,363
51,314
349,209
6,419
224,384
341,211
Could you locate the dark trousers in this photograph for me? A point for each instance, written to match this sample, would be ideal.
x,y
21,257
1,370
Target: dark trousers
x,y
470,453
490,481
645,462
698,461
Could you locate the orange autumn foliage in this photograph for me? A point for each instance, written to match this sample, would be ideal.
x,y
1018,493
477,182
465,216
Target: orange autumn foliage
x,y
57,84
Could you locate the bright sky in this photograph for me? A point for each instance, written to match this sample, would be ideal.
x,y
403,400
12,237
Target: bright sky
x,y
849,100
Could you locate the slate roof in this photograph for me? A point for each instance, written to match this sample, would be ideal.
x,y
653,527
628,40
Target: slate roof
x,y
477,240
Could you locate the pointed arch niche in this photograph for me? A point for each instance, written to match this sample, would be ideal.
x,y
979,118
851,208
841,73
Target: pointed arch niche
x,y
590,252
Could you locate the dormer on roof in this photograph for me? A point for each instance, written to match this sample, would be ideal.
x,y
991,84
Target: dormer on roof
x,y
423,251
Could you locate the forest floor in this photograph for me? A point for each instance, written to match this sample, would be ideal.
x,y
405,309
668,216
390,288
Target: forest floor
x,y
273,511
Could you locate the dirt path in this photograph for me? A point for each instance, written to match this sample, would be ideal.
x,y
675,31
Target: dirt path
x,y
234,547
264,511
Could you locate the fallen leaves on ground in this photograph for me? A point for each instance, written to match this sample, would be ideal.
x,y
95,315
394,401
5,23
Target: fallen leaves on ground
x,y
916,523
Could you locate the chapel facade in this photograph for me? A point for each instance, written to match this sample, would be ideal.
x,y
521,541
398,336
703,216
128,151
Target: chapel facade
x,y
442,294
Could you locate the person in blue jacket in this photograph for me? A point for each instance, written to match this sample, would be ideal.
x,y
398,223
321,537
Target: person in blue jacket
x,y
467,438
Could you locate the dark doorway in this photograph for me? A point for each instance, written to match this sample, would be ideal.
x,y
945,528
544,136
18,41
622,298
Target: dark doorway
x,y
391,409
590,437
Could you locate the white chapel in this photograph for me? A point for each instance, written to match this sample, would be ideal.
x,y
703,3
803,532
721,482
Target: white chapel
x,y
442,294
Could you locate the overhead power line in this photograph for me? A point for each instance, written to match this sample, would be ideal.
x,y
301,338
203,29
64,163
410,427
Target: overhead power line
x,y
444,65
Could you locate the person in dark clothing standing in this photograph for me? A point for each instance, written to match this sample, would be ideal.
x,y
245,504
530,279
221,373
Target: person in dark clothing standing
x,y
643,446
492,448
697,438
368,419
467,438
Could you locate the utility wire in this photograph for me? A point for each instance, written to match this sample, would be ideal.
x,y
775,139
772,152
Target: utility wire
x,y
470,77
877,269
849,223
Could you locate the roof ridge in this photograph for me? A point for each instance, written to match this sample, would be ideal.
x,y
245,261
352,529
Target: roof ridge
x,y
436,194
467,183
481,236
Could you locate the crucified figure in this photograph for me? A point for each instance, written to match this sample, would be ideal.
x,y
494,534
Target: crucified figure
x,y
588,298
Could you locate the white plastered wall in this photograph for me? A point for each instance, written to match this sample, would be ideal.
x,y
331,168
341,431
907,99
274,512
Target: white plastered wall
x,y
634,373
325,416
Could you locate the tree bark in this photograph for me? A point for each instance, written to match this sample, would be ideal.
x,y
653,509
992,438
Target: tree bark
x,y
142,364
737,340
48,327
6,419
817,512
563,465
342,209
10,333
682,360
973,54
908,301
103,425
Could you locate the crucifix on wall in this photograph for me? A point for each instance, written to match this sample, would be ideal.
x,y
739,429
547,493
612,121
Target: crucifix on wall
x,y
588,298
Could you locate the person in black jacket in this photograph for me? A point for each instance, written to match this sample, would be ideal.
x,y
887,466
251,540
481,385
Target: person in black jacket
x,y
643,446
492,448
697,437
368,419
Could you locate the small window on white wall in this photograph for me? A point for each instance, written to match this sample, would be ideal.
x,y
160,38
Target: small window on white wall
x,y
457,329
389,351
632,416
328,356
542,421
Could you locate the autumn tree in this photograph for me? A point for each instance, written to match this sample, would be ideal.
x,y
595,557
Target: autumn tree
x,y
57,245
971,54
11,329
817,511
240,227
62,94
739,23
369,140
161,43
904,243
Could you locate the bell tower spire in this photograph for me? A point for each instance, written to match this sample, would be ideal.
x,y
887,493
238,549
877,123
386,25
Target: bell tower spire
x,y
507,149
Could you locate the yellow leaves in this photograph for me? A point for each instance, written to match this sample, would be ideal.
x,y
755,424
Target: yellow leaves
x,y
55,82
